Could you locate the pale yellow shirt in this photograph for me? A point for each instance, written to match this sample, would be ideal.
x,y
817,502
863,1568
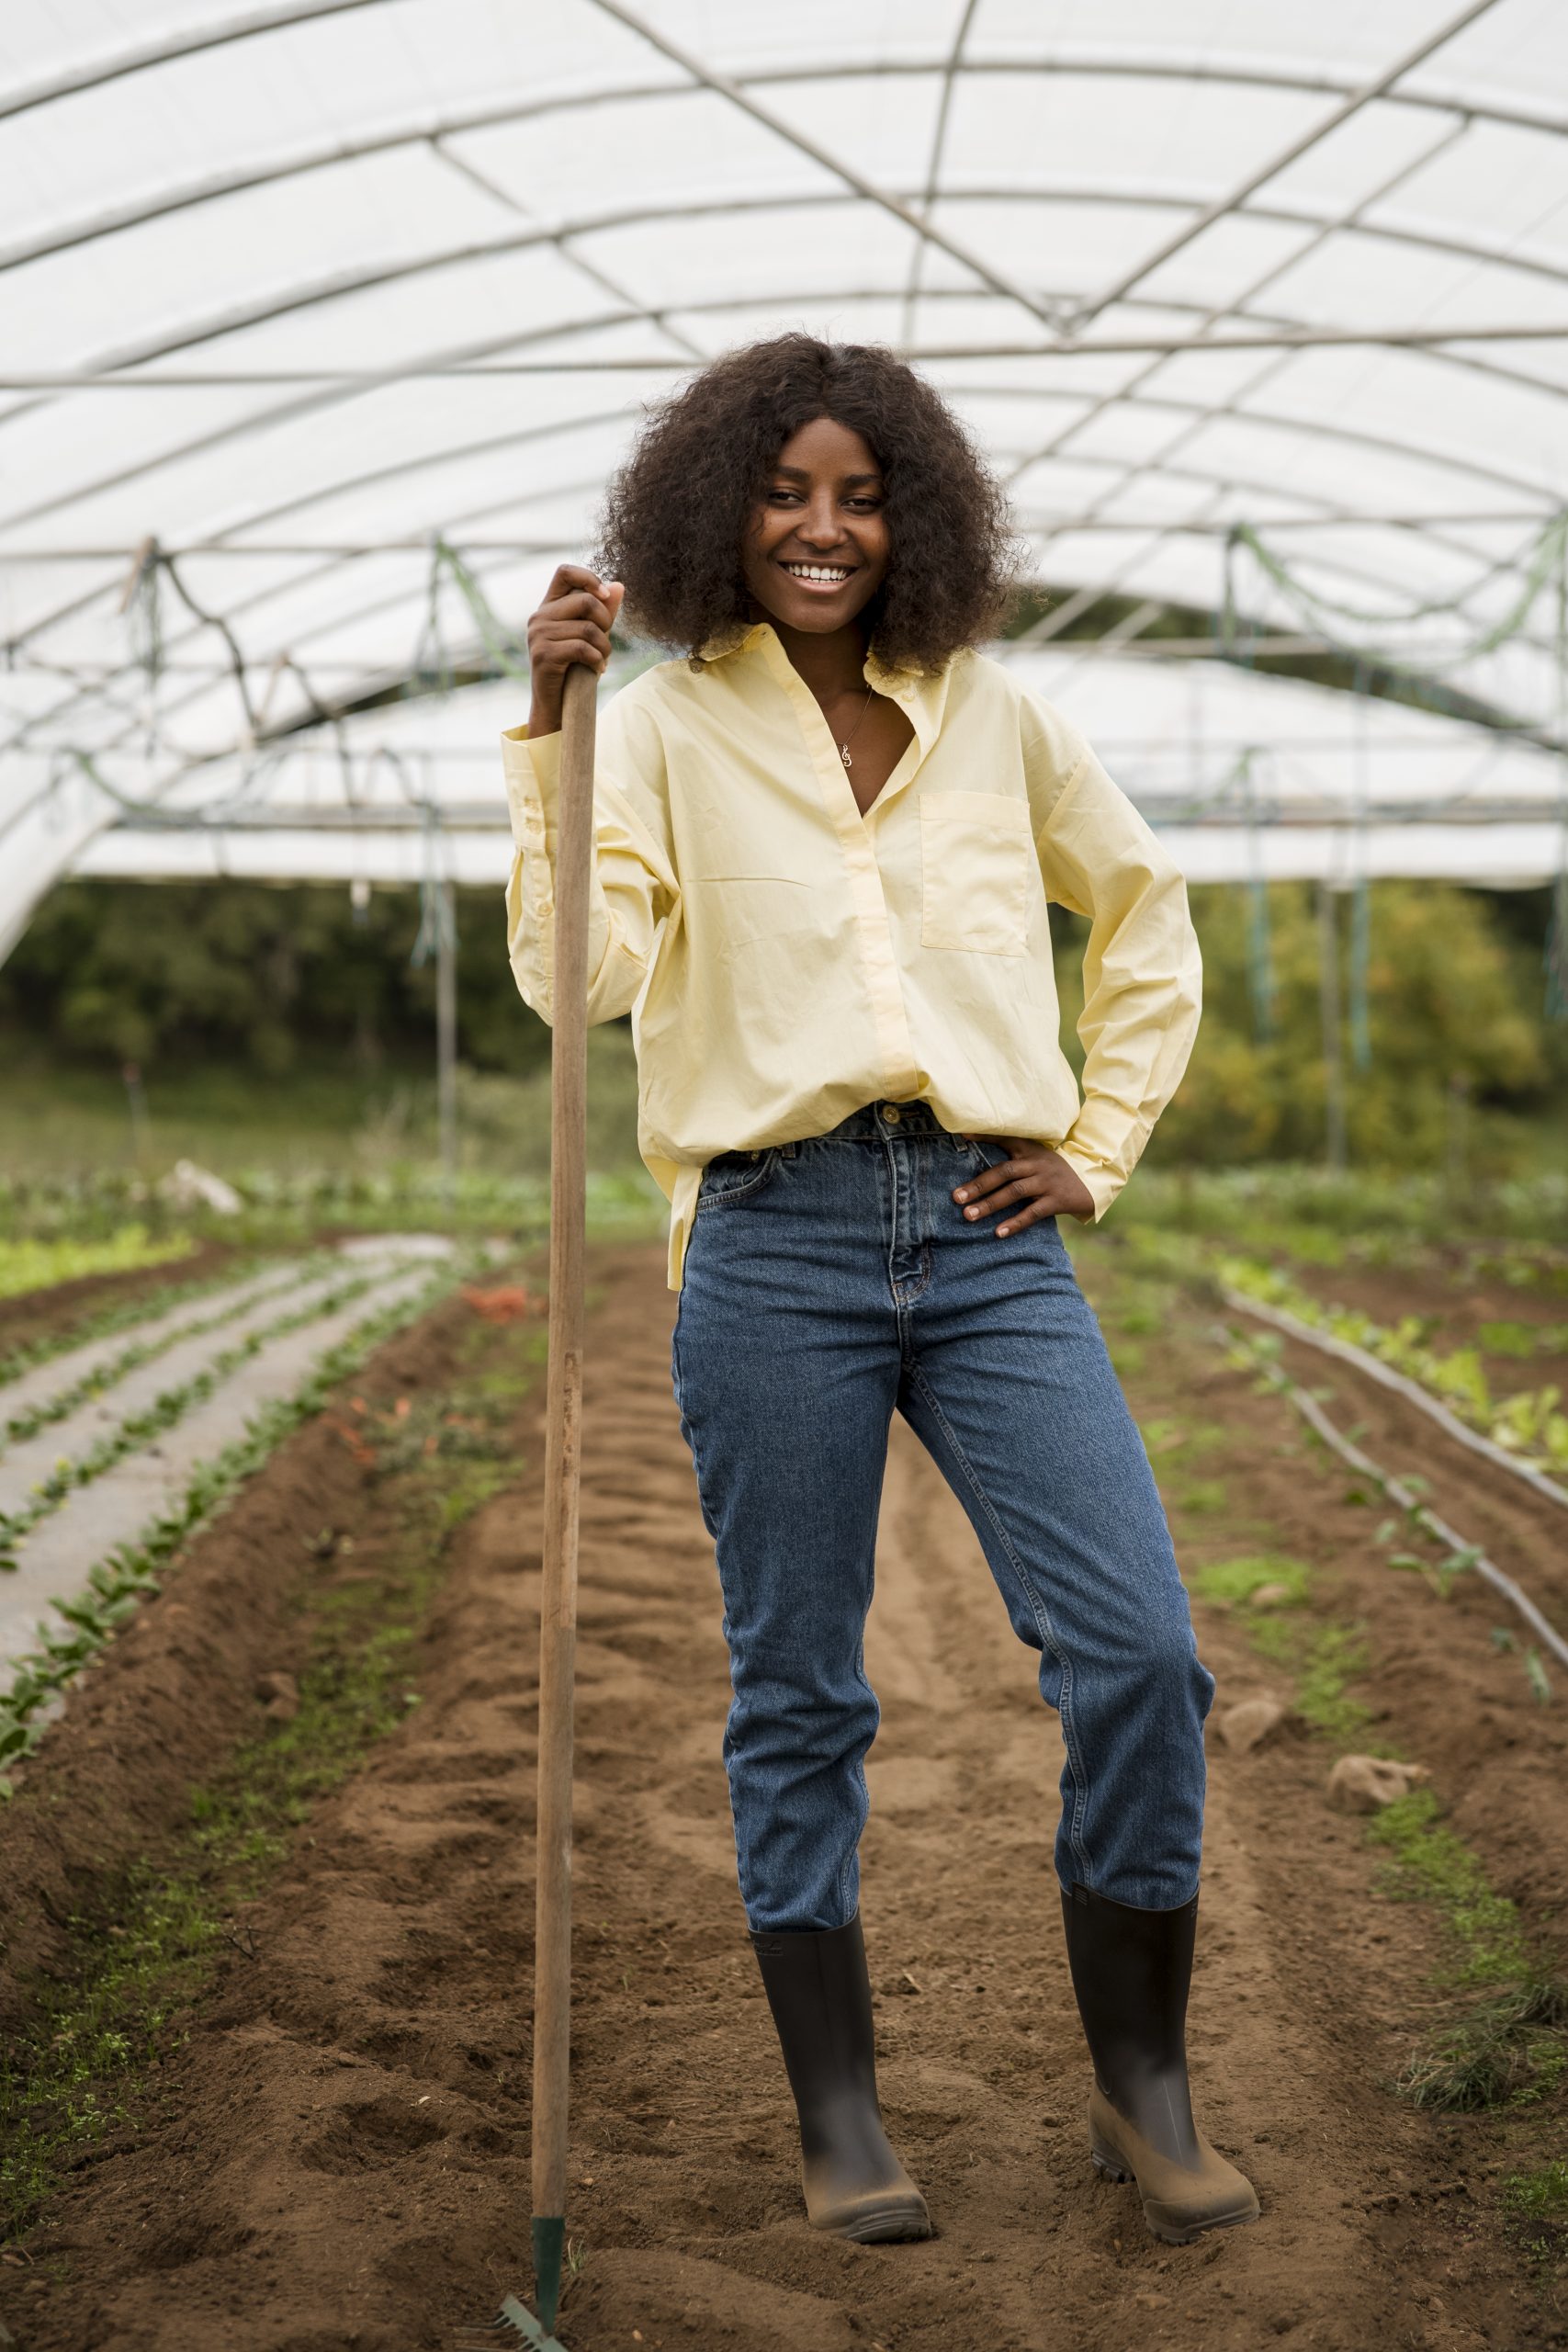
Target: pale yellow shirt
x,y
786,959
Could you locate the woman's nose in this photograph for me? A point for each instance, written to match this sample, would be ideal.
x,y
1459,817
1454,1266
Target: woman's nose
x,y
822,527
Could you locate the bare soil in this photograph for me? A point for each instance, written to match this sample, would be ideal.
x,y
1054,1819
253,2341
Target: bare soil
x,y
336,2160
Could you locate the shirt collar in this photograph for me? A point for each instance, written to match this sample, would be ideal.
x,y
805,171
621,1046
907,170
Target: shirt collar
x,y
921,697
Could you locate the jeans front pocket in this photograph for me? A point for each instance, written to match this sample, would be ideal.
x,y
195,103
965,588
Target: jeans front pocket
x,y
733,1177
979,872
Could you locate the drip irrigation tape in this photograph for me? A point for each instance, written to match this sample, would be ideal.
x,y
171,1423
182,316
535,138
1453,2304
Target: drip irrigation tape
x,y
1397,1492
1411,1390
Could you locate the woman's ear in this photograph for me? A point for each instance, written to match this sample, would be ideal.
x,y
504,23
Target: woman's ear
x,y
614,596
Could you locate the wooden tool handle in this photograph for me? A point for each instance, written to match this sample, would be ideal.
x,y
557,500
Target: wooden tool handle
x,y
563,1409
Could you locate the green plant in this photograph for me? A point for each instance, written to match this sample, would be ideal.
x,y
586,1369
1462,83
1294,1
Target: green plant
x,y
1238,1579
26,1264
1528,1423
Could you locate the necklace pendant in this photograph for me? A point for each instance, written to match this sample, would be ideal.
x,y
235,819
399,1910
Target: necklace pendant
x,y
844,755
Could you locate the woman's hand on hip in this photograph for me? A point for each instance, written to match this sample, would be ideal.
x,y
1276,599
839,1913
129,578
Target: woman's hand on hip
x,y
572,624
1041,1179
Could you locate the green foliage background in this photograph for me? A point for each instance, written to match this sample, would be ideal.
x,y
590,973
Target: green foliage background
x,y
249,974
252,991
1455,988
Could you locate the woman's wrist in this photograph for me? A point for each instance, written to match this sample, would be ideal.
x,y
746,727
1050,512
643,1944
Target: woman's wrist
x,y
543,719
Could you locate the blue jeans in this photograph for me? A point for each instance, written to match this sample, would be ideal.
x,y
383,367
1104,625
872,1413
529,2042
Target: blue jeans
x,y
828,1283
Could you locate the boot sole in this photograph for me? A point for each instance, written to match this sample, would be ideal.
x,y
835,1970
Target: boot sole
x,y
883,2226
1172,2232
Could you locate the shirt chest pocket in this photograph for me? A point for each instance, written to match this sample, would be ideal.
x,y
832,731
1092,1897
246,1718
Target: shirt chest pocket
x,y
979,874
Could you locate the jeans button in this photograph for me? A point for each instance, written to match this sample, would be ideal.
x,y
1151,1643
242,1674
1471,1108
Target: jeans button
x,y
892,1114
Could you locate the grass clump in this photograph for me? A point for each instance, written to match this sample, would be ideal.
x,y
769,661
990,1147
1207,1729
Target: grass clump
x,y
1235,1581
1430,1862
1168,1435
1335,1656
1320,1659
1510,2048
1537,2206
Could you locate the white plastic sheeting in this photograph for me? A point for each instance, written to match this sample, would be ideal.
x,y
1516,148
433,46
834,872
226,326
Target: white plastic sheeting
x,y
288,288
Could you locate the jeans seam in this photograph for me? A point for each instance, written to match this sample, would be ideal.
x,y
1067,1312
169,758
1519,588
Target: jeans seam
x,y
1042,1615
850,1868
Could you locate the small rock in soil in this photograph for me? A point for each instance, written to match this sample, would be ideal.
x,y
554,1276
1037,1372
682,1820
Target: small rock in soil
x,y
279,1696
1271,1596
1250,1720
1366,1784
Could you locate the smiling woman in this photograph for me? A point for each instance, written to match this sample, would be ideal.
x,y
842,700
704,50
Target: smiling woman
x,y
712,470
825,844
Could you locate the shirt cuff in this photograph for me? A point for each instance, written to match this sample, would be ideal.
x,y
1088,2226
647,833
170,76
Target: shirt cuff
x,y
532,769
1102,1185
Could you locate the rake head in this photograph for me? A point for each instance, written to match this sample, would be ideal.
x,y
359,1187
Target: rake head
x,y
511,2326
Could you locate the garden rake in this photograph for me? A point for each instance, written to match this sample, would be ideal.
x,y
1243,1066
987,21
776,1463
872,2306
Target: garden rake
x,y
557,1613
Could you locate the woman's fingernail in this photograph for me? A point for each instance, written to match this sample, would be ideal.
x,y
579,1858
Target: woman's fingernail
x,y
961,1196
971,1212
1002,1229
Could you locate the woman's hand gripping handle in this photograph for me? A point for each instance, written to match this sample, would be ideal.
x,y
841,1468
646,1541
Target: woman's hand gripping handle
x,y
571,626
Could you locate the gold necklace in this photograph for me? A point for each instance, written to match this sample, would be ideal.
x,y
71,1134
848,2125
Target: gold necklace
x,y
844,746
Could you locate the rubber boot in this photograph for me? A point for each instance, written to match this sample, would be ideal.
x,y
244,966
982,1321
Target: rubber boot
x,y
820,1996
1130,1972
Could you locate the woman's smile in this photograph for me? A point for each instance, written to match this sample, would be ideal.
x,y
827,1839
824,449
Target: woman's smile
x,y
821,578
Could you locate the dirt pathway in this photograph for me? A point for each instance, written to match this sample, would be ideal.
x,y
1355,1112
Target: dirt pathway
x,y
340,2162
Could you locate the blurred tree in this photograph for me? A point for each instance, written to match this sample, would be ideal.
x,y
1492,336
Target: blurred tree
x,y
175,976
269,977
1454,1002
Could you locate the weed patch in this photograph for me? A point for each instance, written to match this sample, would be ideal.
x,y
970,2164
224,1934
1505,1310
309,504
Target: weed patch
x,y
1234,1581
1509,2048
1537,2206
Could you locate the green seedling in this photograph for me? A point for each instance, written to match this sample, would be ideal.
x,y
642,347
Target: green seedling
x,y
1235,1581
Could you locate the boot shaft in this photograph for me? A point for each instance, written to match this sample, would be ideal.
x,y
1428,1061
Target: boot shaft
x,y
1132,1971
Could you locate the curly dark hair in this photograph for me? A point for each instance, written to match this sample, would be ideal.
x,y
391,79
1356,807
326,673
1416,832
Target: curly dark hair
x,y
676,511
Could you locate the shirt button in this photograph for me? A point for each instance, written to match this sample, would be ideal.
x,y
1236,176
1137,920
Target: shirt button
x,y
892,1114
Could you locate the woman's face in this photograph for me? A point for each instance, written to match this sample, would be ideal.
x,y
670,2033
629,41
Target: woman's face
x,y
817,549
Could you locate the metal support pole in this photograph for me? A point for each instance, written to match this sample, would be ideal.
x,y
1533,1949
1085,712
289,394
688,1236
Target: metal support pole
x,y
1329,1005
446,1041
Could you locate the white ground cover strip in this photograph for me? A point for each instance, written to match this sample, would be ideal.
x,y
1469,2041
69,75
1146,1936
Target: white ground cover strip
x,y
46,1381
55,1558
208,1328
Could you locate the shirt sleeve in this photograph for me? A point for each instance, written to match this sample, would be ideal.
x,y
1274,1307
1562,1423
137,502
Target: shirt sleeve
x,y
634,886
1143,970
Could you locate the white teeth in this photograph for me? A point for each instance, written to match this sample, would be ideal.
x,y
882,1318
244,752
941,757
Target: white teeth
x,y
819,570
